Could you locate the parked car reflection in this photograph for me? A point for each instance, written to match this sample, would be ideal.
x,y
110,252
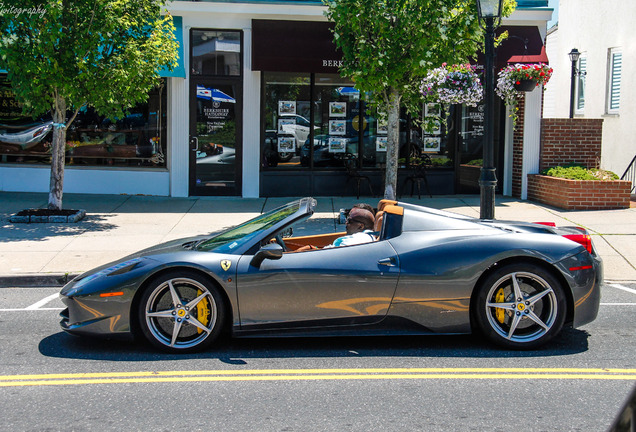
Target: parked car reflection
x,y
25,139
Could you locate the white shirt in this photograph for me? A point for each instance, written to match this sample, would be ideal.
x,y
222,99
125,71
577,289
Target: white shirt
x,y
365,236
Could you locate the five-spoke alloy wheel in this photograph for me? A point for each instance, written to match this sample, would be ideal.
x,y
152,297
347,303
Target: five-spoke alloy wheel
x,y
520,306
181,312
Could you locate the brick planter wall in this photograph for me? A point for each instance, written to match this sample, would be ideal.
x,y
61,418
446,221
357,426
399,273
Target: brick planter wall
x,y
566,141
579,194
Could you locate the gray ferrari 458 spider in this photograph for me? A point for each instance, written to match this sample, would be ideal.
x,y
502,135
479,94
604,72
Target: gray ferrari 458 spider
x,y
427,272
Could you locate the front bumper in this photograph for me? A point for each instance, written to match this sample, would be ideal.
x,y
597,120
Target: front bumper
x,y
90,317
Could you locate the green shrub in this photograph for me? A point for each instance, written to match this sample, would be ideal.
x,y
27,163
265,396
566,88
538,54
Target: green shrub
x,y
441,162
579,173
475,162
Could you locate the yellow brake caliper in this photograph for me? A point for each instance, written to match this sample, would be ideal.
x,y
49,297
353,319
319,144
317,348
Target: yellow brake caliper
x,y
203,311
500,314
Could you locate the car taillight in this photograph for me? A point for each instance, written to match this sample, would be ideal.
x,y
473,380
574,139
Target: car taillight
x,y
552,224
583,239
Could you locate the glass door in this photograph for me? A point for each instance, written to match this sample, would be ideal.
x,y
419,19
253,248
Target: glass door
x,y
215,137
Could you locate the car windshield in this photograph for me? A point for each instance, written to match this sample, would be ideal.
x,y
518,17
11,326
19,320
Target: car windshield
x,y
229,240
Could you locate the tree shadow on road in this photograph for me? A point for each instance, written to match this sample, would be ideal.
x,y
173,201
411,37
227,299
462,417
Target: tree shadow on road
x,y
240,351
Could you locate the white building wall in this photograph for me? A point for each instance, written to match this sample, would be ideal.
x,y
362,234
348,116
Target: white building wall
x,y
86,180
549,95
531,138
593,28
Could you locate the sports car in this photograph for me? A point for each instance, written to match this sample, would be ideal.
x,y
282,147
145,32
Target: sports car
x,y
427,272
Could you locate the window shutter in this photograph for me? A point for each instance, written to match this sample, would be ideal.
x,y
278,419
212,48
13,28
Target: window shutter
x,y
615,81
580,96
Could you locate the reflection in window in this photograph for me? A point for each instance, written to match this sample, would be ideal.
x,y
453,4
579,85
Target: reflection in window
x,y
286,117
216,52
136,140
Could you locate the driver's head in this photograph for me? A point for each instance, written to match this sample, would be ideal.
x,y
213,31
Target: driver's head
x,y
359,220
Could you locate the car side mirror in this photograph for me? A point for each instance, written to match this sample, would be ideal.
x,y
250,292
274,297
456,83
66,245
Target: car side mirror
x,y
271,251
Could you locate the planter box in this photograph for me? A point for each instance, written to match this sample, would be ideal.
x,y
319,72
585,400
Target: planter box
x,y
579,194
469,175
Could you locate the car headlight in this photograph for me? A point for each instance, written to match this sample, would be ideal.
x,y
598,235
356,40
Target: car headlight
x,y
117,269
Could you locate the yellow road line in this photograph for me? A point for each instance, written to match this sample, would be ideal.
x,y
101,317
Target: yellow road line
x,y
318,371
317,374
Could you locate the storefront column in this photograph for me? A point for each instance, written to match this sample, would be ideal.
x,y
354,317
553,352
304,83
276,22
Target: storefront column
x,y
508,153
178,146
531,137
251,121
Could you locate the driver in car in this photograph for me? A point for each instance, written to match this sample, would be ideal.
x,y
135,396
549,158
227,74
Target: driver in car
x,y
359,226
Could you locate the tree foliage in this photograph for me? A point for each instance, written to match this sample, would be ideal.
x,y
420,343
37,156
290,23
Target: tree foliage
x,y
388,46
69,54
102,53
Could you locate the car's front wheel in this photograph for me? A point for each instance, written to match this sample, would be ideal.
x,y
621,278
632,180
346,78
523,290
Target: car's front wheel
x,y
181,311
520,306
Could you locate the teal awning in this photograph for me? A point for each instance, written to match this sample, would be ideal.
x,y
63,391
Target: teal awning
x,y
179,71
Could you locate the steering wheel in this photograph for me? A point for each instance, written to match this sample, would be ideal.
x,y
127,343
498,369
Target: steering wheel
x,y
281,243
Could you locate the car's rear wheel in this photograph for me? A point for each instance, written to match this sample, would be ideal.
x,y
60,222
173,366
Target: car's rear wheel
x,y
181,312
520,306
285,156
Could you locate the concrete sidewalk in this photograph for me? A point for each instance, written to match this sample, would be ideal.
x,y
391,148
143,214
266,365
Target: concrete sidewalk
x,y
117,225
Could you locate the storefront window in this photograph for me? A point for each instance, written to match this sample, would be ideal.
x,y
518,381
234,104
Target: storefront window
x,y
137,140
375,133
336,121
216,52
287,110
429,142
344,127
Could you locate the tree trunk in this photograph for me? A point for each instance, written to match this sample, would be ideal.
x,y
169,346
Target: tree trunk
x,y
392,145
56,184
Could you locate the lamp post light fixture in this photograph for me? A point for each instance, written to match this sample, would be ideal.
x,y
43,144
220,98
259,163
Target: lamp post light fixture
x,y
489,11
574,58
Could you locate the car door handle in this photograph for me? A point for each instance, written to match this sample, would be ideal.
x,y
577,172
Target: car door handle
x,y
389,262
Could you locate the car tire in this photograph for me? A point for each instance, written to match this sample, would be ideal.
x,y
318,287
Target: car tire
x,y
285,156
182,302
520,306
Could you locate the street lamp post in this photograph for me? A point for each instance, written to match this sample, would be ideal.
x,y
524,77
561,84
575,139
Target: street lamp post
x,y
488,10
574,58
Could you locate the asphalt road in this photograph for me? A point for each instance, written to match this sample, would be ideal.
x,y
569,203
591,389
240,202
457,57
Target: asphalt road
x,y
53,381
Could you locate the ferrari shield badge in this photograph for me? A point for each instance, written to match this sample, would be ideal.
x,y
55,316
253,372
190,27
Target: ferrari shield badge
x,y
225,264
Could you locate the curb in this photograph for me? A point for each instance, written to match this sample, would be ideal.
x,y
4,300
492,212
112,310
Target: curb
x,y
35,280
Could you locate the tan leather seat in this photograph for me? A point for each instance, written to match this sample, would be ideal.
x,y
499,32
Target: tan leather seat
x,y
379,217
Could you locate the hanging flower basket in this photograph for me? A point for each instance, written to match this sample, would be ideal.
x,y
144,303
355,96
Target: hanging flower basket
x,y
526,85
515,79
456,84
